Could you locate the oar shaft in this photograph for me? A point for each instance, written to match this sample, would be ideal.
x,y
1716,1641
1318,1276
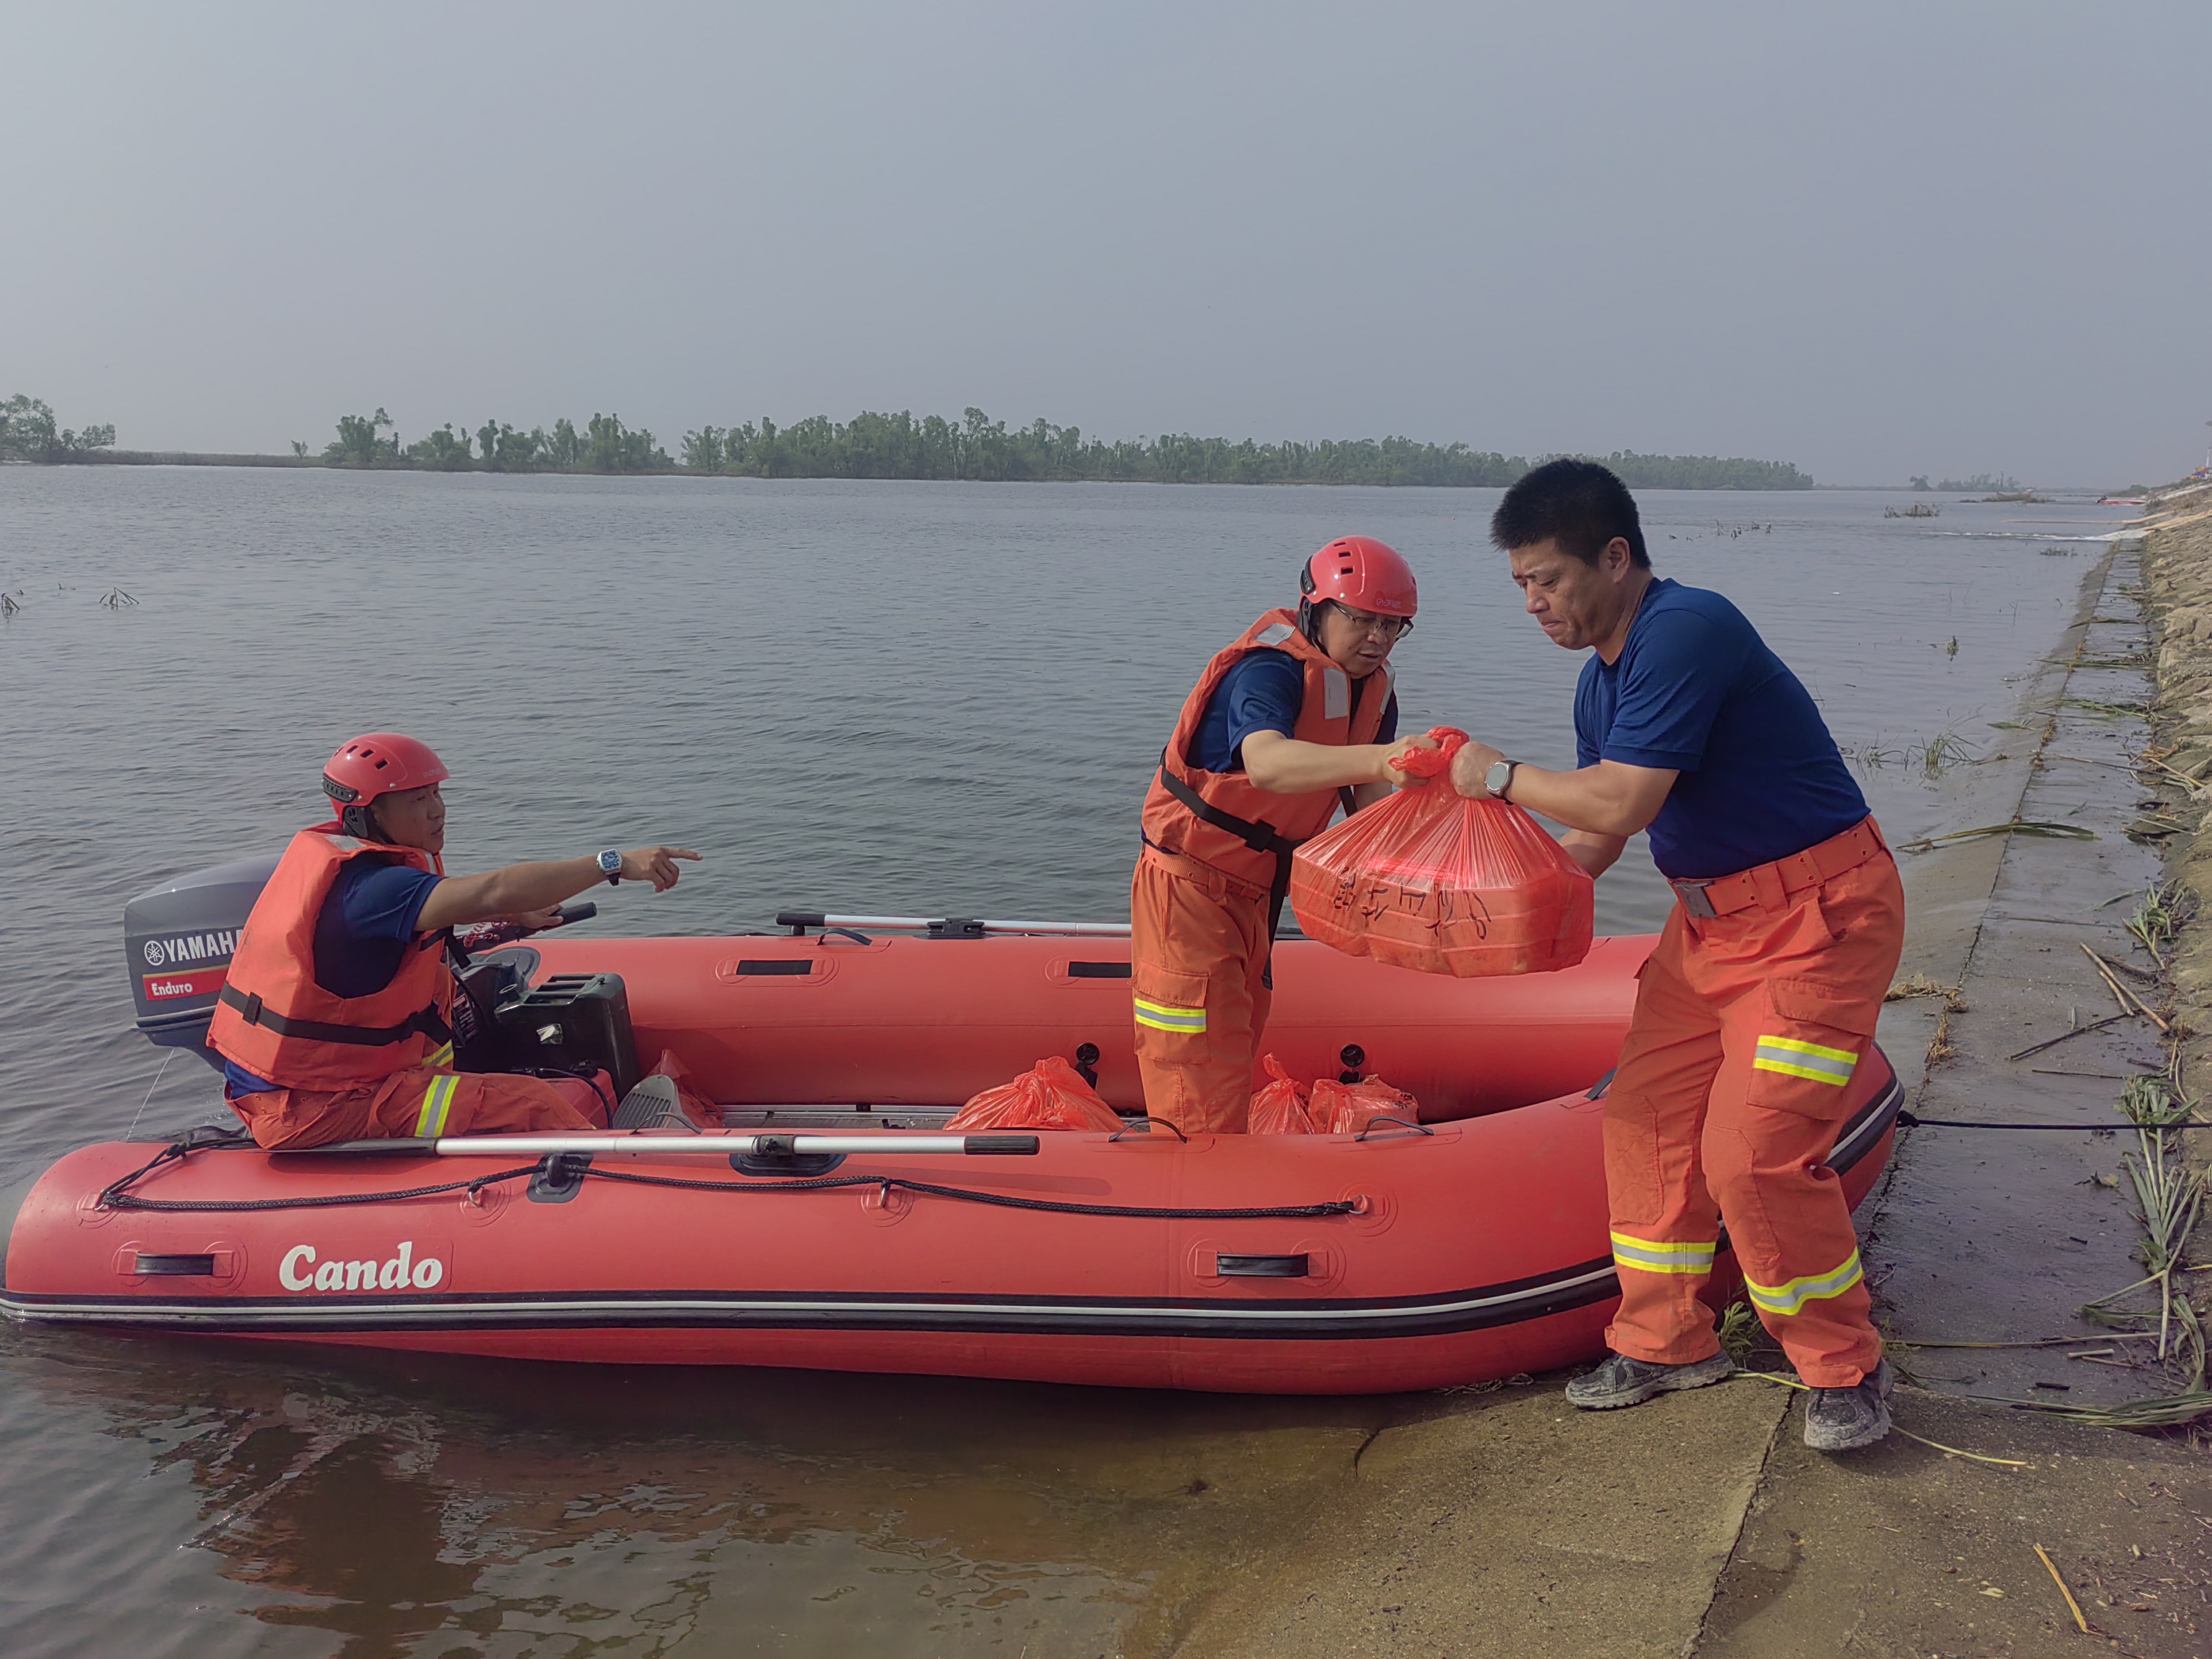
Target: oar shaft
x,y
653,1146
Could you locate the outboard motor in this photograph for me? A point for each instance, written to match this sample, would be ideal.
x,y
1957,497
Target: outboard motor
x,y
178,938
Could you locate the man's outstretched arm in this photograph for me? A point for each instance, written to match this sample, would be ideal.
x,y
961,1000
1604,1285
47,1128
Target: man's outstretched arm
x,y
521,888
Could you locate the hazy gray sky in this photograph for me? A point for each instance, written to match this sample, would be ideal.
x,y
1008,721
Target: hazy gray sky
x,y
1873,239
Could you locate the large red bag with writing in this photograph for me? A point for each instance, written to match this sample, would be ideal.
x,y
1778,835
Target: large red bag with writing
x,y
1431,880
1051,1095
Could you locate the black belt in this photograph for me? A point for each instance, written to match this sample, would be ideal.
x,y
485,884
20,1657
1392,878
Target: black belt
x,y
428,1021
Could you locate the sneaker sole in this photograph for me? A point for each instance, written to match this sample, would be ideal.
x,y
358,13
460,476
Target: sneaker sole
x,y
1670,1384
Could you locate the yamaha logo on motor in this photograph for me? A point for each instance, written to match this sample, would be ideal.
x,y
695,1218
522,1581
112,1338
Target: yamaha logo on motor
x,y
191,947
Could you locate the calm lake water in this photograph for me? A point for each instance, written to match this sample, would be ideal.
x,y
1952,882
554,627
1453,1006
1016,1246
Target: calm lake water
x,y
918,699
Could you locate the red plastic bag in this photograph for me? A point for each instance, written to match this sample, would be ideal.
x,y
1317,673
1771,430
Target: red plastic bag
x,y
1346,1109
1278,1107
1429,879
1051,1095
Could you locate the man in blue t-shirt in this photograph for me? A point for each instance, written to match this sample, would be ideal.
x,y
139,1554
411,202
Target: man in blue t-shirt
x,y
1757,1005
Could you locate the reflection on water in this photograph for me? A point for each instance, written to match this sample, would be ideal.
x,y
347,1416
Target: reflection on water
x,y
387,1505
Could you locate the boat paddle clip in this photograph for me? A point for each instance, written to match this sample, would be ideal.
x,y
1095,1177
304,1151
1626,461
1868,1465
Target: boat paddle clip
x,y
956,928
779,1155
559,1178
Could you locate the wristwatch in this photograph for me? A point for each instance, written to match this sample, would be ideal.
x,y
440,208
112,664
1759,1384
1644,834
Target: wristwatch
x,y
1499,778
610,866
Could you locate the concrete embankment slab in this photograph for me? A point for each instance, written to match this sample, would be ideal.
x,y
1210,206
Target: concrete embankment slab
x,y
1999,1236
1900,1550
1513,1527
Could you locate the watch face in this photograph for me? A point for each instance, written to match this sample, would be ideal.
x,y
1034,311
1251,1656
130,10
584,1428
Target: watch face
x,y
610,862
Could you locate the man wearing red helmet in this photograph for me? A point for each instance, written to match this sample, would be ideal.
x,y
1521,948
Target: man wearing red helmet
x,y
334,1019
1293,716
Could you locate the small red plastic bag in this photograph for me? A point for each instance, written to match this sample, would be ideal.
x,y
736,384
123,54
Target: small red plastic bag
x,y
1279,1107
1051,1095
1429,879
1346,1109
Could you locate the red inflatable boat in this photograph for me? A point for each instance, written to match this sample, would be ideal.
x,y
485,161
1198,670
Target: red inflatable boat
x,y
830,1223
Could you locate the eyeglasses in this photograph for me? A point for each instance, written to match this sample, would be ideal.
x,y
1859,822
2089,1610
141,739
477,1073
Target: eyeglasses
x,y
1389,626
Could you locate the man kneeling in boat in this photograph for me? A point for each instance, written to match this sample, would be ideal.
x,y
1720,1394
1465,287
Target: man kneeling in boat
x,y
1296,714
1760,998
334,1019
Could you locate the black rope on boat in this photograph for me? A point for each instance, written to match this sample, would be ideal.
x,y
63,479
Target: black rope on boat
x,y
116,1198
116,1195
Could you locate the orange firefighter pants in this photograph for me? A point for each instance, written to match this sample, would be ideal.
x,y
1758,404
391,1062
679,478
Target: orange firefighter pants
x,y
1735,1080
423,1101
1198,966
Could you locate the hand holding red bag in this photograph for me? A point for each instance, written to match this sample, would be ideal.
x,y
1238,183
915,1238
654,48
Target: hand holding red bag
x,y
1431,880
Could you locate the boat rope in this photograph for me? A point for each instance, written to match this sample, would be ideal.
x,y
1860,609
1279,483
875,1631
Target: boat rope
x,y
1907,1120
117,1196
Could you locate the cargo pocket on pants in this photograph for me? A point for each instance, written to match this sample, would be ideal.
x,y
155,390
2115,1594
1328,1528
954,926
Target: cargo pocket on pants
x,y
1171,1010
1809,1043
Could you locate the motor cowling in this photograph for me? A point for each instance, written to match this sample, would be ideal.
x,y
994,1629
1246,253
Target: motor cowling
x,y
178,938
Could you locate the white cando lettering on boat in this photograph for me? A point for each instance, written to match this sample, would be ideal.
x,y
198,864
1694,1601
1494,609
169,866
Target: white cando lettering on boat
x,y
396,1272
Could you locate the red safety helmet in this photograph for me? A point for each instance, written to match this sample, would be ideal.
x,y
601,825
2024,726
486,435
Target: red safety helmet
x,y
379,764
1360,571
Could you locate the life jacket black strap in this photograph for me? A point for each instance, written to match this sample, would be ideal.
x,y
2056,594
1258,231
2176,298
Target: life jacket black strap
x,y
1260,837
427,1021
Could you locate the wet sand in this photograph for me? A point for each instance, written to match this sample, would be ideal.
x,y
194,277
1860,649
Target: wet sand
x,y
1510,1525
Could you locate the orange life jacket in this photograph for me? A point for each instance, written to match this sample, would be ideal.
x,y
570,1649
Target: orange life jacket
x,y
275,1021
1222,819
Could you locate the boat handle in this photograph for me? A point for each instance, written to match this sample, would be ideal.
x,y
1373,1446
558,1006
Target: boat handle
x,y
1261,1266
173,1267
1421,1129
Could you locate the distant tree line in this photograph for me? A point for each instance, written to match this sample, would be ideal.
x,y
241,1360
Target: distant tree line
x,y
605,444
2002,482
28,433
872,446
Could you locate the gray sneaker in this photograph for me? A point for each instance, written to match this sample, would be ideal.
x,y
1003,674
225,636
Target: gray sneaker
x,y
1844,1419
1624,1382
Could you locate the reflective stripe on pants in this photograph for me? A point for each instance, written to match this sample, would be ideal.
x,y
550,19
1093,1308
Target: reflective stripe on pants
x,y
1198,961
423,1101
1734,1081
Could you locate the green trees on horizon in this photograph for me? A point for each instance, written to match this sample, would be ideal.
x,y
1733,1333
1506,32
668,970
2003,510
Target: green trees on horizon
x,y
901,446
977,447
28,432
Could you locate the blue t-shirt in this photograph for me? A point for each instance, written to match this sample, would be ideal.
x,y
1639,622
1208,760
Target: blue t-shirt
x,y
1697,691
1263,693
365,928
